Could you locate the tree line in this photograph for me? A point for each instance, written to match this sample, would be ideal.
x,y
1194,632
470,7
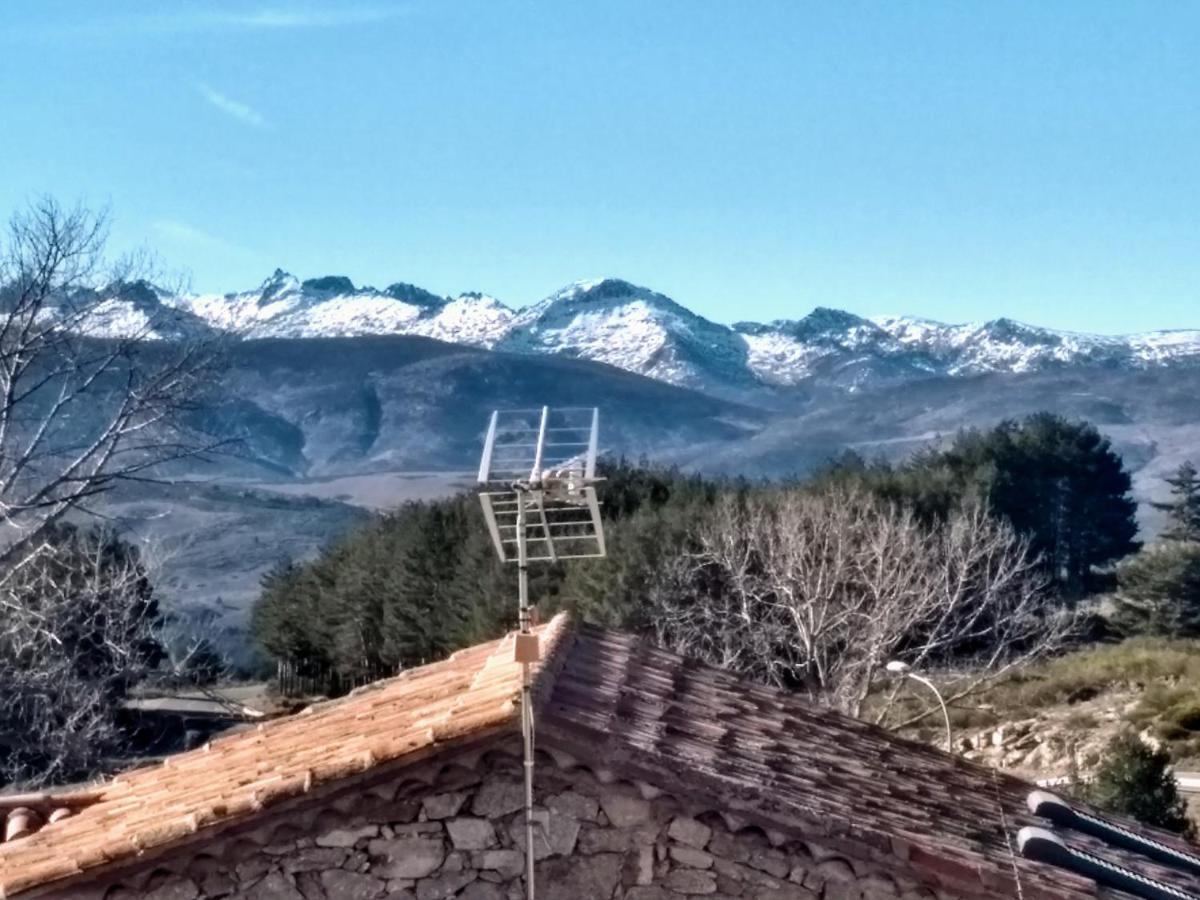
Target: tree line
x,y
974,555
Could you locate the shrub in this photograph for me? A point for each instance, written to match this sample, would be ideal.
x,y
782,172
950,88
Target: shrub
x,y
1136,780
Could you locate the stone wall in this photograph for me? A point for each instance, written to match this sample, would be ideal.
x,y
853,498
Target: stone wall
x,y
458,831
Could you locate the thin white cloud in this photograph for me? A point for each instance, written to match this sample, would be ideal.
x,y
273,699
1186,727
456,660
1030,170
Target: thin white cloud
x,y
190,236
198,19
309,18
232,108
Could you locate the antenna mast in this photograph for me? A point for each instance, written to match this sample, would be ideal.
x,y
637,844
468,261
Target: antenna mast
x,y
540,466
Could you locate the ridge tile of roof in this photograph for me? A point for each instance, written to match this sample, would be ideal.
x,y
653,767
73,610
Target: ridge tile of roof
x,y
472,693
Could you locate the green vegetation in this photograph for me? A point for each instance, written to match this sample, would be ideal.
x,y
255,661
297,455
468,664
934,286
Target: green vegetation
x,y
1132,664
414,585
1158,590
1183,510
1136,781
1057,482
1158,679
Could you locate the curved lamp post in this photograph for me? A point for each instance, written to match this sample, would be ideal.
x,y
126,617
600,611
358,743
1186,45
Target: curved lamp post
x,y
904,670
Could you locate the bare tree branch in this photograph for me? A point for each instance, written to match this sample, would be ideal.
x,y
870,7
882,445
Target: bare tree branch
x,y
82,407
818,591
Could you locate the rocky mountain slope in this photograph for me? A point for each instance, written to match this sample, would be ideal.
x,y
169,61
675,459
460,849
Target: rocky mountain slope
x,y
642,331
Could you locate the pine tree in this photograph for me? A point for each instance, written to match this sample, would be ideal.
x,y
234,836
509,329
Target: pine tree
x,y
1158,591
1056,481
1183,510
1135,780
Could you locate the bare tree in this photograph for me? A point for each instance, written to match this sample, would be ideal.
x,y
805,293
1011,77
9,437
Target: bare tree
x,y
819,590
83,406
90,396
78,628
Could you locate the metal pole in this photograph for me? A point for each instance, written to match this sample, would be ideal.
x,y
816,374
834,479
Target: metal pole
x,y
526,693
945,712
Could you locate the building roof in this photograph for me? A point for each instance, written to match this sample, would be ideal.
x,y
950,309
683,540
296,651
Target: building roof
x,y
472,693
785,763
757,755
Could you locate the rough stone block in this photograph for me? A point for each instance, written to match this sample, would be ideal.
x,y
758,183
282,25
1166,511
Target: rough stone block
x,y
690,857
415,857
498,797
313,858
624,808
275,886
347,837
174,888
576,805
688,831
443,806
482,890
615,840
554,834
442,886
252,869
574,878
691,881
508,863
343,885
471,834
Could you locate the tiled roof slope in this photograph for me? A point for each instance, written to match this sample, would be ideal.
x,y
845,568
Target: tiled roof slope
x,y
779,761
468,695
767,757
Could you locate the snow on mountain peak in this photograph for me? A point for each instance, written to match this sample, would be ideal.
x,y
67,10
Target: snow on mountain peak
x,y
613,321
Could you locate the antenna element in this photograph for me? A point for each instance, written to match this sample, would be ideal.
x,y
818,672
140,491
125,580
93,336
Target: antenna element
x,y
538,473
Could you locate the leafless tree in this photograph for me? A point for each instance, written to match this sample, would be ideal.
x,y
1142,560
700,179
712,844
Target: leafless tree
x,y
819,590
82,406
90,396
78,628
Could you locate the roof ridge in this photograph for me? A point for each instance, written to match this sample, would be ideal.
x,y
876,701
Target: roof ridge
x,y
558,638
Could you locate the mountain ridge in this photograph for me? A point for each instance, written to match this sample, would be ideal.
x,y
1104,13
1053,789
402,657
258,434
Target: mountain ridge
x,y
635,328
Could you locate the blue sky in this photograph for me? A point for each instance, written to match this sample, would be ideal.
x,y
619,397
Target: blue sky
x,y
954,160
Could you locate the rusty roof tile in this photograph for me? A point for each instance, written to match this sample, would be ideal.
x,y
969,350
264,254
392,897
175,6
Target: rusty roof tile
x,y
237,775
767,757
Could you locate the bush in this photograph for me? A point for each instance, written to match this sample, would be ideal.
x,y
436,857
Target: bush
x,y
1135,780
79,630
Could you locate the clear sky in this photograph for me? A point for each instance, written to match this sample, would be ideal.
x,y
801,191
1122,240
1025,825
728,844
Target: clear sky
x,y
956,160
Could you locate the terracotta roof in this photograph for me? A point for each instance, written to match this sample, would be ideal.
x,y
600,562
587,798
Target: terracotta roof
x,y
763,756
469,694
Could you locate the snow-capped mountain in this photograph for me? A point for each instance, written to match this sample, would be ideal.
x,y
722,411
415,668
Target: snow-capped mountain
x,y
285,307
634,328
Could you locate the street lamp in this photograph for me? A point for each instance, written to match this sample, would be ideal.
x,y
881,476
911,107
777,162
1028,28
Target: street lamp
x,y
904,670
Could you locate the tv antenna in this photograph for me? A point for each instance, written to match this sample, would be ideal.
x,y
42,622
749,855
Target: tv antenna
x,y
538,472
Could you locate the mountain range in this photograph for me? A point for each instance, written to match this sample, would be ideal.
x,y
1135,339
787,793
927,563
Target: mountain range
x,y
637,329
342,399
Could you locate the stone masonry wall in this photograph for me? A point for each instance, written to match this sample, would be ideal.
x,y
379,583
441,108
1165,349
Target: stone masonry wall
x,y
458,831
